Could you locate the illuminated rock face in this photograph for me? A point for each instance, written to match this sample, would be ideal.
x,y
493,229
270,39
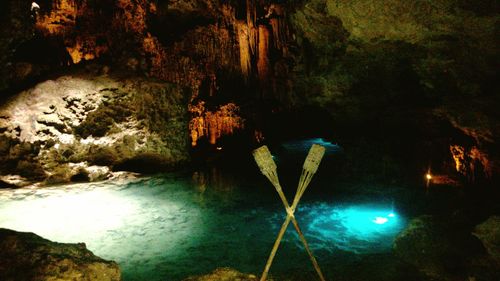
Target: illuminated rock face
x,y
222,39
230,38
215,38
213,124
80,24
60,20
59,128
27,256
471,162
367,63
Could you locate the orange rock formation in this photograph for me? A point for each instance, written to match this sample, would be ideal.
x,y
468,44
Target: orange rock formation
x,y
213,124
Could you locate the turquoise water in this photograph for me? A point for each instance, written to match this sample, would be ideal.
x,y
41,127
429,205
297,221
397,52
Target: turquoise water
x,y
172,226
357,228
302,146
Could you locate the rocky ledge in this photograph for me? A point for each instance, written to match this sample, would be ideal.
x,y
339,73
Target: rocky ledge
x,y
83,125
489,234
224,274
444,249
27,256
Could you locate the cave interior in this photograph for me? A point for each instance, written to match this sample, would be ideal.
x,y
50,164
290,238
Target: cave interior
x,y
129,125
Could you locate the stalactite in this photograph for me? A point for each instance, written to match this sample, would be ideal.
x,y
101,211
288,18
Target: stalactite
x,y
201,52
60,20
213,124
156,54
244,44
263,65
133,15
253,39
251,23
258,136
482,158
194,59
276,16
85,48
458,154
471,162
63,21
251,12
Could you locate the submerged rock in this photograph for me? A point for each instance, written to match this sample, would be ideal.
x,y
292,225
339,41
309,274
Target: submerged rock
x,y
488,233
27,256
425,245
443,249
224,274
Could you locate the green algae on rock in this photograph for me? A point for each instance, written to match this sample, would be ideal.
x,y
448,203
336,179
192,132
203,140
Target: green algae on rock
x,y
61,127
29,257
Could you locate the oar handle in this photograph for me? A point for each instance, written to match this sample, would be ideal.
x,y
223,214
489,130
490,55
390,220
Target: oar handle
x,y
267,166
275,248
309,252
290,213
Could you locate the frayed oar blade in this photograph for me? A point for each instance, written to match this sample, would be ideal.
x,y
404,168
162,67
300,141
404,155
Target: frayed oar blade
x,y
314,157
264,160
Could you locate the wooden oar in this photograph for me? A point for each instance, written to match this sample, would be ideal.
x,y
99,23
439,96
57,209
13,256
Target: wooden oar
x,y
267,166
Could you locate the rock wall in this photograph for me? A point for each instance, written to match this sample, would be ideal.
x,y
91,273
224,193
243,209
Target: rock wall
x,y
443,249
489,234
15,28
190,43
380,67
67,128
418,73
27,256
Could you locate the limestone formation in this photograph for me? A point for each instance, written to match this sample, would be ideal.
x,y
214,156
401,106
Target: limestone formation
x,y
356,55
489,234
29,257
78,127
224,274
440,248
419,74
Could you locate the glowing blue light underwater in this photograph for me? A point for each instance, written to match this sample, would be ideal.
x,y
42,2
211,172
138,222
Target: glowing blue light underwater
x,y
355,228
366,222
305,145
380,220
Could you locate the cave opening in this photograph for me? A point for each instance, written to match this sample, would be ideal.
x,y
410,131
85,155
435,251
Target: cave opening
x,y
130,125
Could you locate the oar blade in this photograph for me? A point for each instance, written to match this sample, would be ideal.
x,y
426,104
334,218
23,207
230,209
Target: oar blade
x,y
264,160
314,157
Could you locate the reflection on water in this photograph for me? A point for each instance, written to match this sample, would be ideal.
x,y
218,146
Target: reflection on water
x,y
214,178
212,185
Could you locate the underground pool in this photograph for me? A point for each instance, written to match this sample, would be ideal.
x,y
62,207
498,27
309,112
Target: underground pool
x,y
171,226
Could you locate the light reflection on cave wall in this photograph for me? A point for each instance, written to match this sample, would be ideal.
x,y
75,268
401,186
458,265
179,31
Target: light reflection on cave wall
x,y
247,39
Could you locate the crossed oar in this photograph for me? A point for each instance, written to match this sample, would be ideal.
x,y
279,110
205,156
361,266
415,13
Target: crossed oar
x,y
268,168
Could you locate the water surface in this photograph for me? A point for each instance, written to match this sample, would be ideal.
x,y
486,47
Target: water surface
x,y
172,226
